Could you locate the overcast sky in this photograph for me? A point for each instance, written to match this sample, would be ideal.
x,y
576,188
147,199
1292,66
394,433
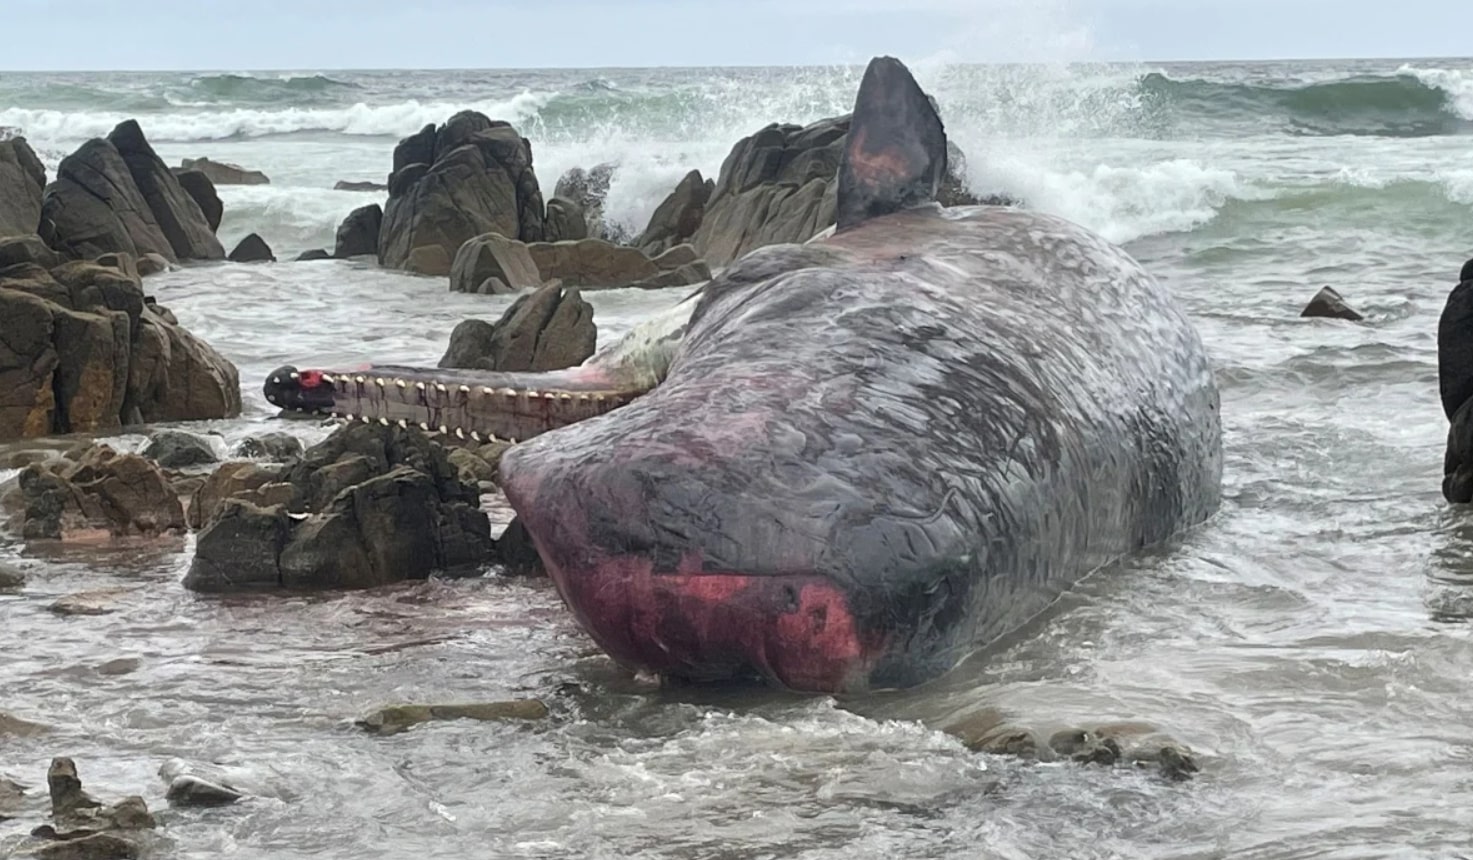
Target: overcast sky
x,y
329,34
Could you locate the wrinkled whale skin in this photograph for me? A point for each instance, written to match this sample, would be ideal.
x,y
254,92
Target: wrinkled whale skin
x,y
874,454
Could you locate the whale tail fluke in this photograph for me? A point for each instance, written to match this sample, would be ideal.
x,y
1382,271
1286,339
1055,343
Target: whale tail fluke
x,y
895,155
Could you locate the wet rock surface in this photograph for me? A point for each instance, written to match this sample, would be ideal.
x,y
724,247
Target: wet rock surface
x,y
369,505
678,217
358,234
549,329
1329,304
224,173
176,449
10,577
101,492
398,718
275,447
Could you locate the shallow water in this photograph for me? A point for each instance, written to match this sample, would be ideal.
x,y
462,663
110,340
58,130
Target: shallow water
x,y
1310,643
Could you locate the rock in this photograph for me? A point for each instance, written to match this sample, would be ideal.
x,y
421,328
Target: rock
x,y
97,208
358,234
26,249
678,217
313,255
90,846
181,219
398,718
517,553
370,505
565,221
479,181
102,601
346,185
123,263
1327,303
202,191
238,480
677,256
275,447
472,469
189,790
591,263
119,666
587,190
492,255
175,449
15,727
548,329
252,249
65,786
495,287
428,260
175,376
10,578
690,273
223,173
22,179
12,798
122,494
152,264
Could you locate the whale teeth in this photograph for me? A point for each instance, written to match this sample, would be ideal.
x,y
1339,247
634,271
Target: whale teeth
x,y
360,379
491,437
440,387
487,391
583,398
327,377
598,398
296,375
367,420
379,381
403,425
534,394
420,386
511,439
459,433
423,426
401,383
509,393
383,421
475,437
443,429
465,389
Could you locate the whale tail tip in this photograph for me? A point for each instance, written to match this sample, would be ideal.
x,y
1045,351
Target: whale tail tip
x,y
895,155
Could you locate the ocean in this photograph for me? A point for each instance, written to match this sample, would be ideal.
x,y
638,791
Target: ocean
x,y
1310,644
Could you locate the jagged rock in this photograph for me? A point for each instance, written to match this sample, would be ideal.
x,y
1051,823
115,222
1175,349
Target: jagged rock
x,y
260,485
67,794
122,494
682,276
11,578
479,180
313,255
370,505
492,255
252,249
179,217
517,553
202,191
97,208
222,173
587,190
591,263
187,790
548,329
22,179
358,234
1327,303
347,185
152,264
398,718
565,221
26,249
678,217
275,447
428,260
674,258
175,449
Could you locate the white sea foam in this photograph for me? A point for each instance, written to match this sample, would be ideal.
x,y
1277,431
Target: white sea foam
x,y
1457,84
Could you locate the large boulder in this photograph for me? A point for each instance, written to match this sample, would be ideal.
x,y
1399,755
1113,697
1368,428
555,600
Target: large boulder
x,y
591,263
548,329
223,173
358,234
22,180
779,185
565,221
82,350
479,179
678,217
97,208
180,218
369,505
587,190
489,256
102,491
252,249
199,187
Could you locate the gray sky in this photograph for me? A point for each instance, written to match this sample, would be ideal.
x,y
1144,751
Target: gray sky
x,y
313,34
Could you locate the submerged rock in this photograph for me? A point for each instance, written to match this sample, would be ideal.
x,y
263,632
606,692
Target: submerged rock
x,y
252,249
313,255
10,578
188,790
1327,303
368,506
224,173
518,555
352,185
101,601
276,447
358,234
398,718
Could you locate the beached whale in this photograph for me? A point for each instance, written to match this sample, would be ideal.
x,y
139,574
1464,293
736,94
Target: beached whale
x,y
847,465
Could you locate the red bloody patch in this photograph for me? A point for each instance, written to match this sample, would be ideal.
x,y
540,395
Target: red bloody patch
x,y
309,378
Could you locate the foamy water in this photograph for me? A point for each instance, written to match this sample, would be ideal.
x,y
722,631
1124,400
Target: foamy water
x,y
1311,643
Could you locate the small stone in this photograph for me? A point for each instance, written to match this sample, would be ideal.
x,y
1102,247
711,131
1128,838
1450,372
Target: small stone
x,y
188,790
10,577
398,718
120,666
175,449
1328,303
94,846
98,602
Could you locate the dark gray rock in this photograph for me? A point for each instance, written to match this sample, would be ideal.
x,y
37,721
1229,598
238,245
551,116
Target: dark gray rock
x,y
252,249
313,255
275,447
175,449
187,790
26,249
179,217
199,187
222,173
347,185
492,255
565,221
678,217
358,234
97,208
1327,303
517,553
22,180
548,329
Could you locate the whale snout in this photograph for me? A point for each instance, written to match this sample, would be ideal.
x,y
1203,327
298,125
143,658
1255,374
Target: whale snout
x,y
298,391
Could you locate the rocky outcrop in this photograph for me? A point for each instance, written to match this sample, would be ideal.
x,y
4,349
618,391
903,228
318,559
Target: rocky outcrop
x,y
549,329
199,187
565,221
26,249
472,175
252,249
491,263
251,482
586,190
175,449
180,218
1329,304
779,186
348,185
677,218
358,234
82,350
116,195
369,505
591,263
222,173
102,491
22,179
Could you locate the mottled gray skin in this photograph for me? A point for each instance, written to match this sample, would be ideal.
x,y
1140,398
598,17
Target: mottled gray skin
x,y
943,417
